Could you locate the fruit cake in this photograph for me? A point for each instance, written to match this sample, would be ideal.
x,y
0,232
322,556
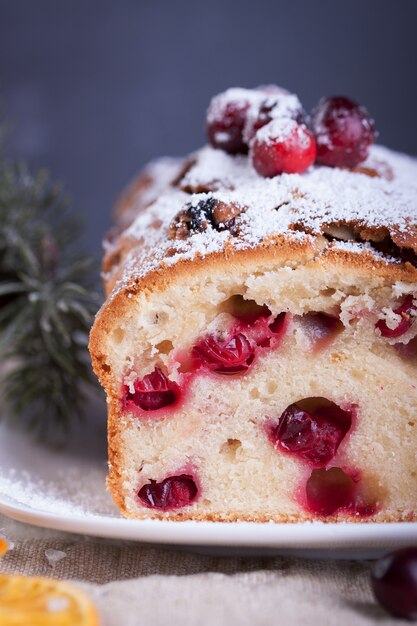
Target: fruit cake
x,y
258,344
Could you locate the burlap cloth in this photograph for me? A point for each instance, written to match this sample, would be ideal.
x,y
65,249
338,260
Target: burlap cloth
x,y
142,585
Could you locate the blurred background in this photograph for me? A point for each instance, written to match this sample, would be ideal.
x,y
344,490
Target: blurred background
x,y
96,88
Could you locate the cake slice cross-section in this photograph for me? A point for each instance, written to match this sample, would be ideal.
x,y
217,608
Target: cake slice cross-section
x,y
258,343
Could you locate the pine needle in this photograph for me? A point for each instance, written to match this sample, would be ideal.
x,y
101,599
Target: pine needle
x,y
47,303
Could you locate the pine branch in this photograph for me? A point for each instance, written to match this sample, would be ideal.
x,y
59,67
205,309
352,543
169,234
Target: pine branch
x,y
46,303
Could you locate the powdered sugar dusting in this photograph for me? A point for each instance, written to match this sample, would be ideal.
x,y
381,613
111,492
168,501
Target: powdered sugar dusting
x,y
238,97
54,556
218,170
296,205
156,178
62,494
280,130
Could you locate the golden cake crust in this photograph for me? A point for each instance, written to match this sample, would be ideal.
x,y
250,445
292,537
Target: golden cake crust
x,y
360,210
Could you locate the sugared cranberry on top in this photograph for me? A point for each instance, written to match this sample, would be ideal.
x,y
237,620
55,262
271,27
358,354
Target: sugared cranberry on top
x,y
405,311
226,119
282,146
343,130
279,104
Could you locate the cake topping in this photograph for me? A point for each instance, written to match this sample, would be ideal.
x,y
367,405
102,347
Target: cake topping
x,y
235,115
282,146
237,118
220,202
207,213
226,119
343,130
280,104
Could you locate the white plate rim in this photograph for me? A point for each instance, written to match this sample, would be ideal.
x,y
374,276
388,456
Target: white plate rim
x,y
232,534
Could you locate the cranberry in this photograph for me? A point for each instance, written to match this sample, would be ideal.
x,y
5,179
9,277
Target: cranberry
x,y
226,118
327,491
231,357
279,324
153,392
404,310
278,105
407,351
343,131
282,146
320,328
313,435
266,331
394,583
172,493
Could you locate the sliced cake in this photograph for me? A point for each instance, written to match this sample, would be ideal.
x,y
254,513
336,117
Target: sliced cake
x,y
258,344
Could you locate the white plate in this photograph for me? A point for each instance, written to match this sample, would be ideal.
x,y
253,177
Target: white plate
x,y
64,489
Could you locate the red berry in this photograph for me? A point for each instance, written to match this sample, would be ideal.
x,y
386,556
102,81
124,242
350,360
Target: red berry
x,y
231,357
226,118
407,351
394,583
405,310
153,392
327,491
282,146
278,105
172,493
343,131
320,328
313,436
268,332
279,325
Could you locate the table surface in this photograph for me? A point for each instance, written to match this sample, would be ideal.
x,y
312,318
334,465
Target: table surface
x,y
150,585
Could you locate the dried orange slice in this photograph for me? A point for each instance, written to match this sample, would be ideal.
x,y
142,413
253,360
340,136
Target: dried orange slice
x,y
32,601
4,546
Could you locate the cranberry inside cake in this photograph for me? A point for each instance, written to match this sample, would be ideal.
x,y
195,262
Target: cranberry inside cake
x,y
258,346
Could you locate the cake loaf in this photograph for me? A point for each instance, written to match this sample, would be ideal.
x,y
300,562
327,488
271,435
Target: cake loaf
x,y
258,343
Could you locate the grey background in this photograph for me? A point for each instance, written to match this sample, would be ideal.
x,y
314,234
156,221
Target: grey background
x,y
97,88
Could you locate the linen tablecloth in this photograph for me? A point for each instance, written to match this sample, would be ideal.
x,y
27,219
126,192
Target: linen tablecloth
x,y
141,585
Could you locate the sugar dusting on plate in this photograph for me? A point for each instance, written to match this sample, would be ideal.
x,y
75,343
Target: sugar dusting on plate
x,y
72,492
